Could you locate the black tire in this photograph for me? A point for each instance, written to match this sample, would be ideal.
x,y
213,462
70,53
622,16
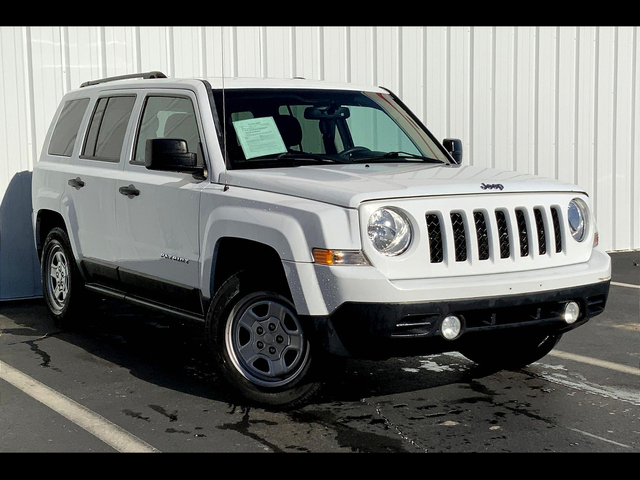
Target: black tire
x,y
260,346
62,283
511,352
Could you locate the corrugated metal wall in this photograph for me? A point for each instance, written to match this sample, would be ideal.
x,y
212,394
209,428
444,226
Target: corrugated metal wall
x,y
557,101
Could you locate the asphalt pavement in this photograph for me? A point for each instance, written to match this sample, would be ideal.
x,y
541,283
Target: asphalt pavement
x,y
133,381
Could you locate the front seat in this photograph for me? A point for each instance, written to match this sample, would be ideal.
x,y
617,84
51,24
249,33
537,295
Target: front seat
x,y
290,130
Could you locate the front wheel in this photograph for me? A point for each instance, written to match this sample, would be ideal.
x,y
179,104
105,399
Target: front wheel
x,y
511,352
260,345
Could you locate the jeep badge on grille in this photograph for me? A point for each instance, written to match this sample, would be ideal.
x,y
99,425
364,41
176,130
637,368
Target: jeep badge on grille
x,y
492,186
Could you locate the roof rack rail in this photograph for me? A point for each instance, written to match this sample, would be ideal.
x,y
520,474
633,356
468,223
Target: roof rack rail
x,y
145,75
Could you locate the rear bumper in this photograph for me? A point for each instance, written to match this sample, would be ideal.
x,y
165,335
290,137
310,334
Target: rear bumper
x,y
381,330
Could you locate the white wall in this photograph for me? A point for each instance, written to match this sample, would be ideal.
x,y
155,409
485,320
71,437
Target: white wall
x,y
562,102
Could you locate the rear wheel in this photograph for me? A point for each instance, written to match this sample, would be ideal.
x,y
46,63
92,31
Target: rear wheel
x,y
61,281
511,352
260,345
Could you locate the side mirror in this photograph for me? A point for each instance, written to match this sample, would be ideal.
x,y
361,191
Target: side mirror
x,y
170,155
454,147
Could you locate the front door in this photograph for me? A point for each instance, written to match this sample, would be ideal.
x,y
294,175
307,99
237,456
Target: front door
x,y
157,212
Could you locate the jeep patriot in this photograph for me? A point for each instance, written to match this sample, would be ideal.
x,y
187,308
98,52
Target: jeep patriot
x,y
300,222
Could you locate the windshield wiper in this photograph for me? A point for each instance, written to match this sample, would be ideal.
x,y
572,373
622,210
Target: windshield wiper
x,y
307,156
286,159
399,155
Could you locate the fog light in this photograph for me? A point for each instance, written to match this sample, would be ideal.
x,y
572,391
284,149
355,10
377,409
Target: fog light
x,y
571,312
450,327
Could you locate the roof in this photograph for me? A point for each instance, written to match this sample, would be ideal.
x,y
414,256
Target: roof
x,y
297,82
144,79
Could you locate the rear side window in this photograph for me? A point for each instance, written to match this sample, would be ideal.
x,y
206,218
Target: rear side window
x,y
108,127
65,133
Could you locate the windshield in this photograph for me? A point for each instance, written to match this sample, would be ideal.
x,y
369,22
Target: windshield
x,y
283,127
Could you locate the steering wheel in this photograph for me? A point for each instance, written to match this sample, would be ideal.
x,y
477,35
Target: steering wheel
x,y
350,152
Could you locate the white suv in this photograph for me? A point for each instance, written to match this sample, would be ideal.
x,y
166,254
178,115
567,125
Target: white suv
x,y
297,218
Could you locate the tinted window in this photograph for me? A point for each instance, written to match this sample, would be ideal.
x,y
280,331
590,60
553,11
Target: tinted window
x,y
65,132
167,117
108,128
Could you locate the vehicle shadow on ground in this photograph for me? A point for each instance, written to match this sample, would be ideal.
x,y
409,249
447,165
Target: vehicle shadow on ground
x,y
155,348
172,353
19,267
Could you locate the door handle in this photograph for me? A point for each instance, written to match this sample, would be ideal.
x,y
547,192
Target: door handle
x,y
76,183
129,191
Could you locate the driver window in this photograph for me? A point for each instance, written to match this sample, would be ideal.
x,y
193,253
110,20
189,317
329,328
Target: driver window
x,y
167,117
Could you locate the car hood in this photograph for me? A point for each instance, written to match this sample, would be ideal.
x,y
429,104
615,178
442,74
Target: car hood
x,y
350,185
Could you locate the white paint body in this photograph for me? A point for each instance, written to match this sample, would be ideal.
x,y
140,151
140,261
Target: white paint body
x,y
559,101
294,210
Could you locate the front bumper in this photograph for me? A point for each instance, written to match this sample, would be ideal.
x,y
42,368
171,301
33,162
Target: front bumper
x,y
320,290
357,311
382,330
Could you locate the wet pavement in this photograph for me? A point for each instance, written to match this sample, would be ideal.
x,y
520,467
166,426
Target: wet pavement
x,y
149,378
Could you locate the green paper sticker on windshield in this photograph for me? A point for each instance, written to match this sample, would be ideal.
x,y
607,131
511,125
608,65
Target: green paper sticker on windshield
x,y
259,137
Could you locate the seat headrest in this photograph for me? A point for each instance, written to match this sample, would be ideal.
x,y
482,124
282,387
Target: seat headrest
x,y
290,129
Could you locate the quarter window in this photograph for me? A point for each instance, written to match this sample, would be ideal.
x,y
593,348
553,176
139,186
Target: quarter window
x,y
65,133
108,127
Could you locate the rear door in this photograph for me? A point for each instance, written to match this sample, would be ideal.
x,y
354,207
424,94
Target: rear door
x,y
157,212
91,205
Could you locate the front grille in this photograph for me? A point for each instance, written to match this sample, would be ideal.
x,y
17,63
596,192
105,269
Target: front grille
x,y
523,234
503,234
459,237
434,230
499,234
542,239
556,229
483,238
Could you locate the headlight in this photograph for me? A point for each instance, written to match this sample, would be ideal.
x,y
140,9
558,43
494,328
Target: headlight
x,y
389,231
578,217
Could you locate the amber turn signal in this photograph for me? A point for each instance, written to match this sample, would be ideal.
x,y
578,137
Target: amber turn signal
x,y
339,257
